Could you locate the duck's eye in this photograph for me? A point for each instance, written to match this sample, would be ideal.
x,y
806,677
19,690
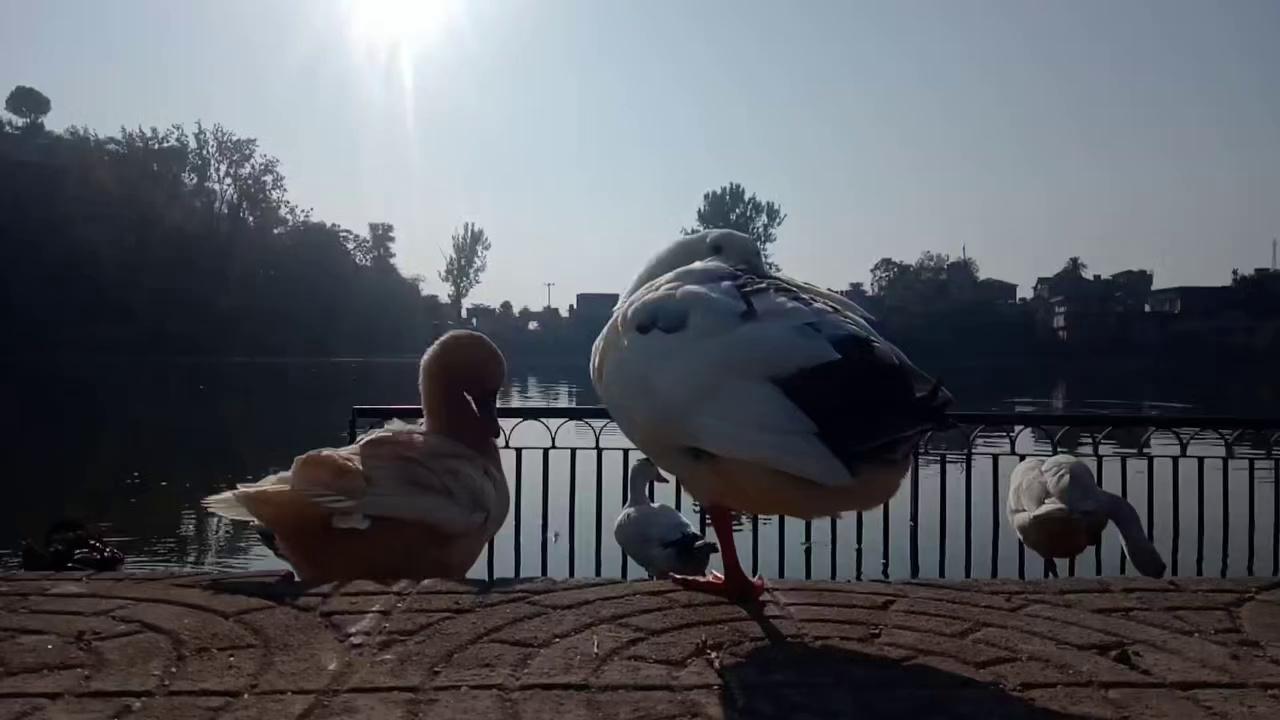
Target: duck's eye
x,y
716,248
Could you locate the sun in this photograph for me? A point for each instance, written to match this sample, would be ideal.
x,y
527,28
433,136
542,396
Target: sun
x,y
398,26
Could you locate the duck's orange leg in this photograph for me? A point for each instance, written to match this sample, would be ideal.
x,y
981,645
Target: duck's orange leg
x,y
734,585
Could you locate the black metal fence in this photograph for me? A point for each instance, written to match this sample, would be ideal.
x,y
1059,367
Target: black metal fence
x,y
569,465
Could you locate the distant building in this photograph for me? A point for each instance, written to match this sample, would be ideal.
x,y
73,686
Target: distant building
x,y
595,305
482,317
1191,299
1078,309
992,290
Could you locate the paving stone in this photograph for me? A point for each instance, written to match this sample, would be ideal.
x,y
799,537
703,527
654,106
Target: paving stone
x,y
1075,702
1262,621
194,646
903,619
170,707
132,664
85,709
1155,703
1239,703
271,707
381,706
194,629
302,653
1076,666
16,708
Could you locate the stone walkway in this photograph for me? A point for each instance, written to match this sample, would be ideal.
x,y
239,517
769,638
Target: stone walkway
x,y
234,647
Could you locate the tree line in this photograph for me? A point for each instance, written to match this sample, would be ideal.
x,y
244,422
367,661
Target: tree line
x,y
183,240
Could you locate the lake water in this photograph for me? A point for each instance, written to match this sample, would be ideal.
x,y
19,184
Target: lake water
x,y
134,445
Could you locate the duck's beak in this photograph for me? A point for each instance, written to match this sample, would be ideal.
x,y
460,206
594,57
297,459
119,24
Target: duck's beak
x,y
487,410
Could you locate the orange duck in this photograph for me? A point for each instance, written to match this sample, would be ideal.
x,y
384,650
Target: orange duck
x,y
405,501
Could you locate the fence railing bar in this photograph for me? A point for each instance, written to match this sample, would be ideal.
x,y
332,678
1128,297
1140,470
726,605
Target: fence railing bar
x,y
1187,446
968,514
517,500
626,468
1252,525
1124,495
915,517
1199,516
1075,419
755,544
1275,516
884,541
1177,513
782,535
808,549
834,544
1022,548
599,510
996,515
857,546
1097,549
942,515
573,507
546,506
1151,498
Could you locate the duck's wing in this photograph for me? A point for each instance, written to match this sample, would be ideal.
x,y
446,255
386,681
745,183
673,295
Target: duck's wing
x,y
403,473
762,368
406,474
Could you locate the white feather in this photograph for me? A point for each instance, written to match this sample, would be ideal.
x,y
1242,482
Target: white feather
x,y
718,394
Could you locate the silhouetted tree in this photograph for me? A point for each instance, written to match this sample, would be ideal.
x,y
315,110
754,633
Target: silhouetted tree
x,y
467,261
29,104
885,272
506,309
731,208
176,242
1075,266
382,236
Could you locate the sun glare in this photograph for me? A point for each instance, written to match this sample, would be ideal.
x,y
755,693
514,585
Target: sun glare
x,y
398,26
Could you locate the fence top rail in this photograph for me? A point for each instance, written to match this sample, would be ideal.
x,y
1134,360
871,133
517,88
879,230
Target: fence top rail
x,y
968,419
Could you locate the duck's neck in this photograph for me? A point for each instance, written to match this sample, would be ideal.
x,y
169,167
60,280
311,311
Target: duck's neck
x,y
449,413
1142,553
637,492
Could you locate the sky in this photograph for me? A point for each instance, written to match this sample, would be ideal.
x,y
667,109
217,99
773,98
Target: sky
x,y
581,134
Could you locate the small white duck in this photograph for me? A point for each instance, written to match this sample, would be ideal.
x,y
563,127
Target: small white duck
x,y
1057,508
405,501
763,394
658,537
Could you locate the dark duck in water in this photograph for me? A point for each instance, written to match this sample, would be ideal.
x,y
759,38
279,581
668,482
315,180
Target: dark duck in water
x,y
70,545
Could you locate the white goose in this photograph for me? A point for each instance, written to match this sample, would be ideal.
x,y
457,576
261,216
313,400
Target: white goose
x,y
1057,508
761,393
657,536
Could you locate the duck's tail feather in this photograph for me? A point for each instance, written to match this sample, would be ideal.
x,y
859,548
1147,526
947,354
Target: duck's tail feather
x,y
228,506
693,544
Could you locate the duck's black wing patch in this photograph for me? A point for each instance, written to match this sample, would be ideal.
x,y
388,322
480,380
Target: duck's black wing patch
x,y
870,400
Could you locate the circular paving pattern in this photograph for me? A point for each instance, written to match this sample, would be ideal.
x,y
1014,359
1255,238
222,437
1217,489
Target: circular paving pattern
x,y
175,646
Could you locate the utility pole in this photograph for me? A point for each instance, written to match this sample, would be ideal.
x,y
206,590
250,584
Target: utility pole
x,y
549,286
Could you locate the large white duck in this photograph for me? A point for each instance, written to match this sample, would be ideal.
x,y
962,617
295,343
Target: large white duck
x,y
1057,508
763,394
405,501
657,536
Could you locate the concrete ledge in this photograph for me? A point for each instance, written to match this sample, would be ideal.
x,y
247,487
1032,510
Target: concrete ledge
x,y
244,646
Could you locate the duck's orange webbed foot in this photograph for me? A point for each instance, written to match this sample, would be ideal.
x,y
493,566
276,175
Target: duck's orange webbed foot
x,y
714,583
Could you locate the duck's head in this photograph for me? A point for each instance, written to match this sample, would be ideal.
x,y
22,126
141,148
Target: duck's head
x,y
462,373
643,472
729,246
